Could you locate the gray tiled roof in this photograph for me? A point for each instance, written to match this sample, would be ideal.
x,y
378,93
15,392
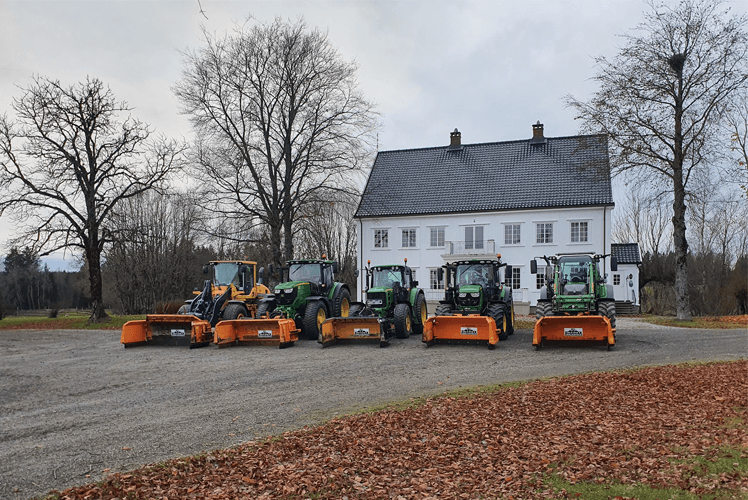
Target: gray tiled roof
x,y
626,253
563,172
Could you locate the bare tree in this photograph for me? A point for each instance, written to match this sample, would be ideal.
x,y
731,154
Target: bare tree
x,y
68,161
661,99
737,123
642,217
279,120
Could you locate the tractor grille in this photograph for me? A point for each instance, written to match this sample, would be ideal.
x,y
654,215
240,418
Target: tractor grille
x,y
467,299
378,299
284,298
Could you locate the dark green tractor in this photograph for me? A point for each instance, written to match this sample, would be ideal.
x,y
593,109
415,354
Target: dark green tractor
x,y
475,287
393,296
308,296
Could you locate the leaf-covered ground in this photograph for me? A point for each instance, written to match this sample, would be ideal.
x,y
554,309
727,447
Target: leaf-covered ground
x,y
658,427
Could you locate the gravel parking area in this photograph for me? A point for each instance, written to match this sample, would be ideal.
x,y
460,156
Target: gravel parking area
x,y
76,405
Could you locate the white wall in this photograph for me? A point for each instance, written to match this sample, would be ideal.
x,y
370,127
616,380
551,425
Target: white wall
x,y
424,257
623,291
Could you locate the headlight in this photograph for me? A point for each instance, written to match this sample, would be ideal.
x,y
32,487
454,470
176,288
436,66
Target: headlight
x,y
277,291
289,290
375,302
463,295
476,295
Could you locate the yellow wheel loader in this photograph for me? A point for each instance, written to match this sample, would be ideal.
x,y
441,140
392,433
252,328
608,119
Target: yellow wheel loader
x,y
575,306
477,308
232,292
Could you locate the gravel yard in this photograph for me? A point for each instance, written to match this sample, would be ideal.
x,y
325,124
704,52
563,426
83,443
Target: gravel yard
x,y
75,405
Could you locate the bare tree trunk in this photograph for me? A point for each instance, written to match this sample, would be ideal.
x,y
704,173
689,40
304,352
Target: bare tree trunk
x,y
93,257
680,244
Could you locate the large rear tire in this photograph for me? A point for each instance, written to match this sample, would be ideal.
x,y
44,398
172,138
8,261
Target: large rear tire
x,y
314,315
235,311
510,320
498,313
341,304
403,322
420,313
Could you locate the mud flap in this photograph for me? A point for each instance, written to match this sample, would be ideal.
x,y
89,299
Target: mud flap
x,y
167,329
279,331
573,329
469,329
364,329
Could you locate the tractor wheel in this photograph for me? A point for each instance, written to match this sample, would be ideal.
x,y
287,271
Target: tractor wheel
x,y
341,304
542,309
355,310
420,313
314,316
443,310
235,311
608,309
264,308
510,320
185,309
498,313
403,321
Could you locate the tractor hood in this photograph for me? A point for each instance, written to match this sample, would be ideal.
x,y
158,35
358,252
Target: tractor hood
x,y
470,289
290,285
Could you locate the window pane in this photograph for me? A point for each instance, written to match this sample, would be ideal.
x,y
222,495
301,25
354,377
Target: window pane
x,y
516,275
478,236
468,237
540,278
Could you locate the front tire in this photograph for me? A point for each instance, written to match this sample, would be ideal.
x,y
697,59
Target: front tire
x,y
542,309
443,310
235,311
264,308
314,315
497,312
403,323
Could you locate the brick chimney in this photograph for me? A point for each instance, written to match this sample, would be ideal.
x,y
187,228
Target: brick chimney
x,y
455,140
537,134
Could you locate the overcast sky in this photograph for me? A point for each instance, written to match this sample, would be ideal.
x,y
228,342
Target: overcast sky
x,y
489,68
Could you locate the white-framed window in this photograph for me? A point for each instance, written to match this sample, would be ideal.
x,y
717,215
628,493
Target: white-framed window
x,y
512,234
436,239
409,238
616,279
516,278
434,282
540,278
381,238
544,232
473,237
579,232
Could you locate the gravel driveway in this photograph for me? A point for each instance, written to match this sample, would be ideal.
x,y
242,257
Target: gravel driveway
x,y
75,405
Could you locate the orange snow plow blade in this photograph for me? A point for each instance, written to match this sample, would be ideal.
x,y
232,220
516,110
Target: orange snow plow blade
x,y
357,328
167,329
585,329
470,329
266,331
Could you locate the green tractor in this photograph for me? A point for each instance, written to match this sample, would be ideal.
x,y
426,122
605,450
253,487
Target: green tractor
x,y
473,288
394,305
309,296
574,300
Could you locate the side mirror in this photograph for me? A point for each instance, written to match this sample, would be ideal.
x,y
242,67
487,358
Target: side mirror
x,y
440,273
613,263
261,276
357,273
205,269
270,269
508,275
335,267
533,266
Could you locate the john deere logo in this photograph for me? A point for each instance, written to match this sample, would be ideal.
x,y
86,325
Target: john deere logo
x,y
572,332
468,330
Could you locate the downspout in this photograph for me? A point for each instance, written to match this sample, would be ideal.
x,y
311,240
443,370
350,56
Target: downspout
x,y
360,291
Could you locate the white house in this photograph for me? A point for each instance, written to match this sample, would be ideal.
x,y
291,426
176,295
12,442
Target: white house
x,y
521,199
626,279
